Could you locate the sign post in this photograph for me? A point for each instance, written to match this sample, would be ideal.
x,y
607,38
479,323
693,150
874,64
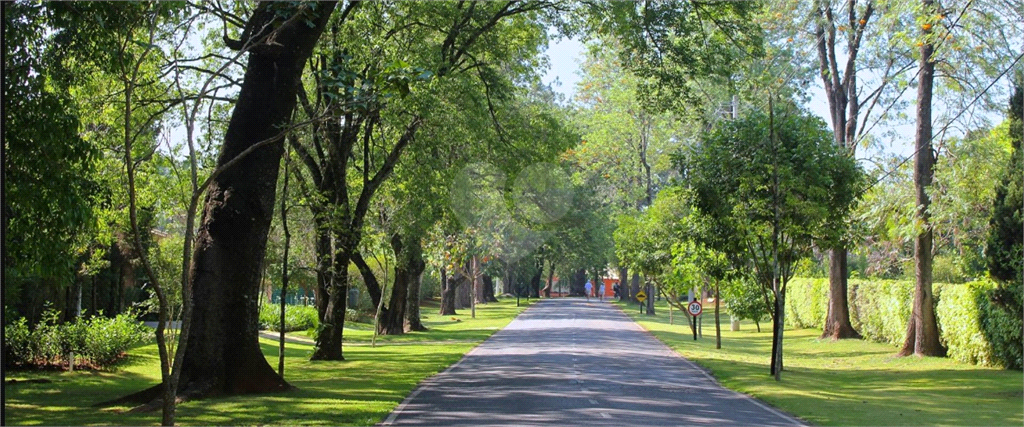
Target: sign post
x,y
695,309
641,296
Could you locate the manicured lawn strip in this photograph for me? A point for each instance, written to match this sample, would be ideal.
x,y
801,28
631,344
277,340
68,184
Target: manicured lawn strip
x,y
848,382
361,390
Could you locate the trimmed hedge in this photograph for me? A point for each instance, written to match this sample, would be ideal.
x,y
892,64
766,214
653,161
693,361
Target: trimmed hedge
x,y
971,327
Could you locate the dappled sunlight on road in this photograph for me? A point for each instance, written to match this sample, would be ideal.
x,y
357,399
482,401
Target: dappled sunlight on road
x,y
573,362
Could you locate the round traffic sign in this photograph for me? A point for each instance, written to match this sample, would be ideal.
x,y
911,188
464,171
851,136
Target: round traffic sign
x,y
695,308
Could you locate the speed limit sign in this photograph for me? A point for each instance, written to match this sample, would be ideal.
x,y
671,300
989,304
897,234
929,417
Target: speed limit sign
x,y
695,308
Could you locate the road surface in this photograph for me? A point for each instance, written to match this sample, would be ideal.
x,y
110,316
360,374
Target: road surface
x,y
573,362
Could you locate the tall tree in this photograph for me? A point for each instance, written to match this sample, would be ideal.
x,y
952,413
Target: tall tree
x,y
775,183
1005,246
845,103
48,167
223,353
922,329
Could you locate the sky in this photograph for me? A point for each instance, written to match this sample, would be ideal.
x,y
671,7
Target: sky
x,y
565,56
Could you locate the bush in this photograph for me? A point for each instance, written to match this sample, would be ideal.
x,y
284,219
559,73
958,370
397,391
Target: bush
x,y
803,302
1002,324
97,342
352,315
972,327
17,343
108,339
296,317
880,309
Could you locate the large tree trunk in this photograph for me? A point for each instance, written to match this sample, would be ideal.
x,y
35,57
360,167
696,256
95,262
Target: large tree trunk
x,y
922,329
718,318
624,291
321,295
844,105
651,293
578,283
535,284
634,287
328,341
506,283
837,322
488,288
412,313
409,254
551,279
392,317
480,293
448,285
223,352
464,292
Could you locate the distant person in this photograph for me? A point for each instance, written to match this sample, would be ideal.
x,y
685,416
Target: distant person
x,y
589,287
615,288
600,292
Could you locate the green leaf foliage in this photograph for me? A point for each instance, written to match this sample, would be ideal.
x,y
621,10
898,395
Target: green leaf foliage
x,y
761,178
47,165
971,326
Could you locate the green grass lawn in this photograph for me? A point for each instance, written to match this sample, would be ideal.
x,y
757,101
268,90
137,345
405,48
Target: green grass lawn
x,y
846,382
361,390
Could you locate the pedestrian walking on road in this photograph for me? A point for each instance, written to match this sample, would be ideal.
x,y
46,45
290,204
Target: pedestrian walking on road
x,y
600,292
589,288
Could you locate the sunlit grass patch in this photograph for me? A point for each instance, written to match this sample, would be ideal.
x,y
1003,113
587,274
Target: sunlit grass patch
x,y
360,390
846,382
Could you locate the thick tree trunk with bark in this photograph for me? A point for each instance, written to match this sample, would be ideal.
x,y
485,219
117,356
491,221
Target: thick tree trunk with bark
x,y
634,287
718,317
409,254
837,322
447,294
223,353
321,296
488,288
844,105
464,292
651,292
922,329
624,291
535,284
551,281
413,323
578,283
332,325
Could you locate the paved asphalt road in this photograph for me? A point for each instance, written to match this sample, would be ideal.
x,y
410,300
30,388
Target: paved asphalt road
x,y
573,362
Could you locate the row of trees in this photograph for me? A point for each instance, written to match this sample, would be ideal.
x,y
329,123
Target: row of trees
x,y
174,121
153,142
864,83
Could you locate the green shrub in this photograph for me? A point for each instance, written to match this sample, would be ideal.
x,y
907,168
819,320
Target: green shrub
x,y
807,302
958,311
17,344
880,309
946,269
108,339
1002,324
972,327
352,315
296,317
97,342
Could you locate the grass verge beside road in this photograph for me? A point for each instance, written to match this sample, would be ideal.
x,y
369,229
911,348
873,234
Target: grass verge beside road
x,y
846,382
361,390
